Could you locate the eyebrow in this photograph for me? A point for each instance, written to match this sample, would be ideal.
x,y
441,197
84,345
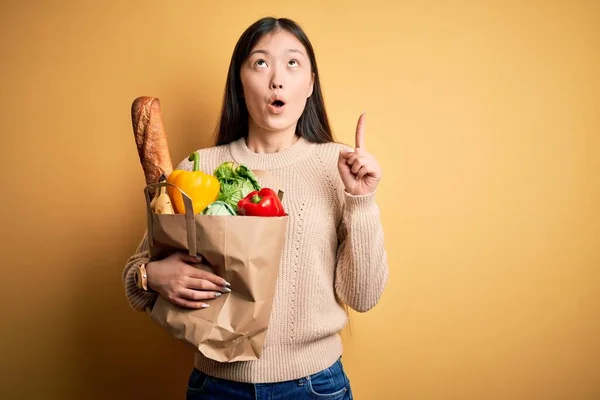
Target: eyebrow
x,y
267,53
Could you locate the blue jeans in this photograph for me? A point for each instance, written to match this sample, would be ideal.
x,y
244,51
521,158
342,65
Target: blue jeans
x,y
330,384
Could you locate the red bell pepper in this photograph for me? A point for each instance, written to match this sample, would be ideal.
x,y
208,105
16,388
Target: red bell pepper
x,y
261,203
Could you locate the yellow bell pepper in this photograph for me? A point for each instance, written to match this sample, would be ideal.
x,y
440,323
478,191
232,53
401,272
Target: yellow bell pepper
x,y
202,188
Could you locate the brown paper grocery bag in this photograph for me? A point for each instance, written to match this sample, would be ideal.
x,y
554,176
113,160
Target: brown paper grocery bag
x,y
244,250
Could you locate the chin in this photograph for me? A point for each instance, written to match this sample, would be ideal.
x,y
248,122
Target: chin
x,y
281,125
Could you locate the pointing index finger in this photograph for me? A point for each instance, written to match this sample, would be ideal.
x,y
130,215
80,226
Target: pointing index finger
x,y
360,131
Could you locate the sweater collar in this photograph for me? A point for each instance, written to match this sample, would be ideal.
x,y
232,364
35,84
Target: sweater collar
x,y
241,154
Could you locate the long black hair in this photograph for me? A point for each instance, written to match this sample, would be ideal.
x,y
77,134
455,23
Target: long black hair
x,y
313,124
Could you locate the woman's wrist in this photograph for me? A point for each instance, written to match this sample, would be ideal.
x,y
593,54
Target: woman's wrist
x,y
149,275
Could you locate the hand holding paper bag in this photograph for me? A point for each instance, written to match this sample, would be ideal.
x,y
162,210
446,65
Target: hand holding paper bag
x,y
185,281
234,327
243,250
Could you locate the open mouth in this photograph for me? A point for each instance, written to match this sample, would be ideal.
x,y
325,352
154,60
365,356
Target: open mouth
x,y
278,103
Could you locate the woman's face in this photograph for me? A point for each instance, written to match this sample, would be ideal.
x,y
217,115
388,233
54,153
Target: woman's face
x,y
277,81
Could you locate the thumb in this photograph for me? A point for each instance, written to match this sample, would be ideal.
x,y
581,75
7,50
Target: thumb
x,y
345,154
343,158
186,257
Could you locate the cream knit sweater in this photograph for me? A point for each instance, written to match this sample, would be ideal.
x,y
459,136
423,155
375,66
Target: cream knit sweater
x,y
334,248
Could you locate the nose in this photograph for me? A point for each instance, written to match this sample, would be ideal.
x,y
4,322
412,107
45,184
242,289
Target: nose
x,y
276,79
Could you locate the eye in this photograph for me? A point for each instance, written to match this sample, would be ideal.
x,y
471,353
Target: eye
x,y
260,63
293,63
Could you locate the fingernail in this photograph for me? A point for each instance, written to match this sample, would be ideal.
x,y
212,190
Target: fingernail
x,y
218,294
227,283
225,289
204,305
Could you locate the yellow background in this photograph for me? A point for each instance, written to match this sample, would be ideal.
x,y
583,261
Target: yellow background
x,y
485,117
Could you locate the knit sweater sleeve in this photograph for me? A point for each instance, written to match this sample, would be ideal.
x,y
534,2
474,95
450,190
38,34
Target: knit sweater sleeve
x,y
138,299
362,268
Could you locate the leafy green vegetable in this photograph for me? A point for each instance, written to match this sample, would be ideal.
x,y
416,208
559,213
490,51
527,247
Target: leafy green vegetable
x,y
236,183
225,172
219,208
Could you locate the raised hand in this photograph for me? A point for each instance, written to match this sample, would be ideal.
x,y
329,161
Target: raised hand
x,y
359,170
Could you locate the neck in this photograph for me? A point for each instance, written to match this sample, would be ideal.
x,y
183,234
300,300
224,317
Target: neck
x,y
261,141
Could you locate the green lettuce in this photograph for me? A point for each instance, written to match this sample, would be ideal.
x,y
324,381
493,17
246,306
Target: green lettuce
x,y
236,183
219,208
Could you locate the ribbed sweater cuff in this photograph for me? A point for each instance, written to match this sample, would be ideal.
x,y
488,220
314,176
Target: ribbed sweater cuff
x,y
361,204
139,299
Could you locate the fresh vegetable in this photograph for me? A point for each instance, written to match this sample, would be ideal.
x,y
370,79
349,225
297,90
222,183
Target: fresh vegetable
x,y
161,203
202,188
236,183
261,203
219,208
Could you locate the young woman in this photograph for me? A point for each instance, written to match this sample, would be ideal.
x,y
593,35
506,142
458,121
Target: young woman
x,y
273,118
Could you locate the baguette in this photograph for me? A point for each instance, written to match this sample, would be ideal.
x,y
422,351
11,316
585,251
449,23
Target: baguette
x,y
151,138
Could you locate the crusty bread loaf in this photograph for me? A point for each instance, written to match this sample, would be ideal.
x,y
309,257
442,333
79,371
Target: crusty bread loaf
x,y
151,138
